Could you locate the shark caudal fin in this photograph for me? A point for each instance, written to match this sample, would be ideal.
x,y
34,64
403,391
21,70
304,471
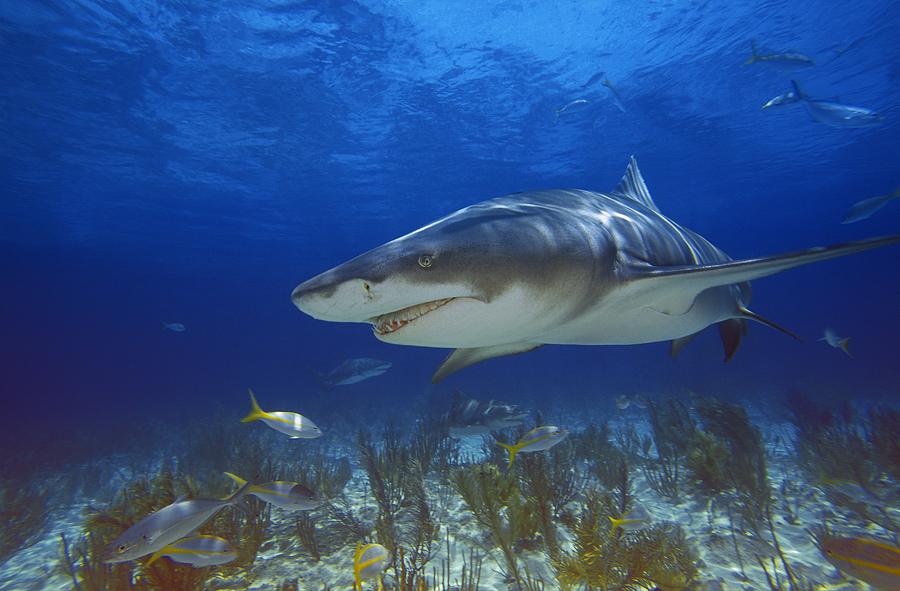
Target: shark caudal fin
x,y
256,413
844,345
754,54
672,290
461,358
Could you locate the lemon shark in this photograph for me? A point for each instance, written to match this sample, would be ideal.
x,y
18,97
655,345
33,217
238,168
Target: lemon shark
x,y
569,267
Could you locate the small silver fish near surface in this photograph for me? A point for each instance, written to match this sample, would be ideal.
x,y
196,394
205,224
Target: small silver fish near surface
x,y
292,424
174,326
569,105
168,525
864,209
785,60
837,114
197,551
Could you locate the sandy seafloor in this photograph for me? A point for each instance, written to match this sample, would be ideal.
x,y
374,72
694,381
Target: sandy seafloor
x,y
282,558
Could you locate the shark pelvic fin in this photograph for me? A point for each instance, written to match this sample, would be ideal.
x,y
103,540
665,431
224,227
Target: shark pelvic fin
x,y
678,344
633,186
461,358
675,288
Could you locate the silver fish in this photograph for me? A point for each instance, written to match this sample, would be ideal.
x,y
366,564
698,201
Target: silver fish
x,y
842,343
352,371
198,551
864,209
569,105
538,439
787,60
788,98
168,525
283,494
838,114
292,424
475,417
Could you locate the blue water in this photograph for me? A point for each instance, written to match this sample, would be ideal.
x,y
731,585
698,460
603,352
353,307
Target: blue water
x,y
193,161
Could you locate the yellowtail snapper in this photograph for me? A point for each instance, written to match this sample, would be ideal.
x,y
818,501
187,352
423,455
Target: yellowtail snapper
x,y
198,551
292,424
283,494
874,561
538,439
369,561
168,525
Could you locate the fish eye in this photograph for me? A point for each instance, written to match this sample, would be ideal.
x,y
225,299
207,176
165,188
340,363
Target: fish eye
x,y
122,548
425,261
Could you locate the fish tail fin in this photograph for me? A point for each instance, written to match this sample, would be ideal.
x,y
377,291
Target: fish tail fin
x,y
237,479
156,556
615,523
745,313
256,413
844,345
512,449
800,94
753,53
237,496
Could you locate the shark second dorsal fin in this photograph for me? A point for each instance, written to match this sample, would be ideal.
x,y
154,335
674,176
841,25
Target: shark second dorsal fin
x,y
633,186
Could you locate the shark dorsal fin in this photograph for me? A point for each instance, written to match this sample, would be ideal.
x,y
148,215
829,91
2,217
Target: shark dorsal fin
x,y
633,186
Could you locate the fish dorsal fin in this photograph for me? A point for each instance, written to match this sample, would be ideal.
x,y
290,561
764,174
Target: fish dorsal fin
x,y
633,186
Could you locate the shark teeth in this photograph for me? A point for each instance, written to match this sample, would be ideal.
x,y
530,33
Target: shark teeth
x,y
394,321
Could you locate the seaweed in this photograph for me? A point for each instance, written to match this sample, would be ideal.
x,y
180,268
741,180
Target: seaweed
x,y
493,498
673,431
656,556
24,514
470,575
706,463
593,445
745,470
306,534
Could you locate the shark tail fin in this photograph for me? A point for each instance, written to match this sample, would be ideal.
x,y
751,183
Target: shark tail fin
x,y
754,55
800,94
749,315
512,449
256,413
844,345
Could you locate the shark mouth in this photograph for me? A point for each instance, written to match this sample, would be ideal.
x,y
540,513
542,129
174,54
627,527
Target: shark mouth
x,y
394,321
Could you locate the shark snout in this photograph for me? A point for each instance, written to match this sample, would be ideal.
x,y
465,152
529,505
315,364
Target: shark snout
x,y
341,301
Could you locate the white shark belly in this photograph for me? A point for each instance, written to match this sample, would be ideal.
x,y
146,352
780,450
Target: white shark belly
x,y
622,320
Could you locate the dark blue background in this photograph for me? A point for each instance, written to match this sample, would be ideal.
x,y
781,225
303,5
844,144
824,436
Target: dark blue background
x,y
193,161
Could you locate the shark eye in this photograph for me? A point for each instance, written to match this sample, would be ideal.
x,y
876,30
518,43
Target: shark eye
x,y
425,261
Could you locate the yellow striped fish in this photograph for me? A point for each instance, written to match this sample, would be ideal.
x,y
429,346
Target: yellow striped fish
x,y
293,424
874,561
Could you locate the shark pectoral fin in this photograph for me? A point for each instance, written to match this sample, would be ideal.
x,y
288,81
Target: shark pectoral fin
x,y
461,358
672,290
731,332
679,344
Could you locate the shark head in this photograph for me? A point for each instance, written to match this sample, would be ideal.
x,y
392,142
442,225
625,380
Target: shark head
x,y
462,281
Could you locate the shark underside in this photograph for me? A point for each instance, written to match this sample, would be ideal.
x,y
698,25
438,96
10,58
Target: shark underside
x,y
513,273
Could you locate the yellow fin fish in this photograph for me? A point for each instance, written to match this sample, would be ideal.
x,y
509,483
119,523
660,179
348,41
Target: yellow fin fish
x,y
538,439
876,562
369,561
197,551
292,424
283,493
